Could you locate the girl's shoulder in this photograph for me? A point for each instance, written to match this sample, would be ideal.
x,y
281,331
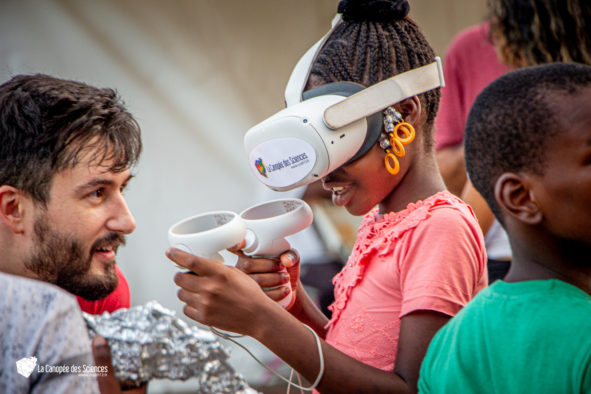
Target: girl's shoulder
x,y
441,213
441,204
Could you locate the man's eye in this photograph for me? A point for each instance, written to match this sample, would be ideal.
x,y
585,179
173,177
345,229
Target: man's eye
x,y
98,193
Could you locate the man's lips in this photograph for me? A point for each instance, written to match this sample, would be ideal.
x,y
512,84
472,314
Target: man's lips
x,y
106,247
107,252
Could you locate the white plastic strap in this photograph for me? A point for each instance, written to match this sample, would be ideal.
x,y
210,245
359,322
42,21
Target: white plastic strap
x,y
299,75
384,94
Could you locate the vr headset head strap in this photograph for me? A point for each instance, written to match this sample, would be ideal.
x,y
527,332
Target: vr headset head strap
x,y
347,89
384,94
299,75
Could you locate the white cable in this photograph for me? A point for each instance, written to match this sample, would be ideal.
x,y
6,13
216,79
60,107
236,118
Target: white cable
x,y
230,338
291,380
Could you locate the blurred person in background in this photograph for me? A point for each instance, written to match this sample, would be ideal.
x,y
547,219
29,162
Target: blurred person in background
x,y
516,34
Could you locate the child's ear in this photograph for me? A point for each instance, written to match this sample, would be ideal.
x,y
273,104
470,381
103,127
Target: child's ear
x,y
12,208
514,196
410,109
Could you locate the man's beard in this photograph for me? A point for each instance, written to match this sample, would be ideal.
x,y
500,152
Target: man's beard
x,y
61,260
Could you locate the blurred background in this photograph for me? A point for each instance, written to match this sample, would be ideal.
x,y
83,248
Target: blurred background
x,y
196,74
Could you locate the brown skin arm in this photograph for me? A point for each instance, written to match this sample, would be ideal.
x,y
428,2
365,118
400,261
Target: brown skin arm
x,y
108,384
450,161
481,209
229,299
268,273
416,331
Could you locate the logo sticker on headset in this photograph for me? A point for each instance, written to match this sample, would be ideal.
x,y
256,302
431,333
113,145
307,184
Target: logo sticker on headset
x,y
282,162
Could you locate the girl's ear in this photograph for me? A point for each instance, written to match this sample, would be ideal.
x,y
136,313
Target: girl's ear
x,y
410,109
12,208
515,198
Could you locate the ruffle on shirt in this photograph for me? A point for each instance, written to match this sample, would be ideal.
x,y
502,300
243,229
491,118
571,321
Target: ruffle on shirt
x,y
376,236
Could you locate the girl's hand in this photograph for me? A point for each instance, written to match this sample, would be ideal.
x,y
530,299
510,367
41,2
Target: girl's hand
x,y
270,273
218,295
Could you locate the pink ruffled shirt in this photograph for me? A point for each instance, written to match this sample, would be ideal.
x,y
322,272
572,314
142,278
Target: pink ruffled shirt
x,y
430,256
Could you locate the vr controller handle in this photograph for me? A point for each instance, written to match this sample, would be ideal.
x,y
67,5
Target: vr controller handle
x,y
216,256
269,250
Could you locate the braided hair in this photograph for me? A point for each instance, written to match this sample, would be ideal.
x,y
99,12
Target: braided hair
x,y
375,41
535,32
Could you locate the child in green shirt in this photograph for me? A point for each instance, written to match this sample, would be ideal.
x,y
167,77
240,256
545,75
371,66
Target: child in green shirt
x,y
528,152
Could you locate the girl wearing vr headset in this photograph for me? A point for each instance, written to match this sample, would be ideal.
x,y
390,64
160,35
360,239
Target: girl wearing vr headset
x,y
419,256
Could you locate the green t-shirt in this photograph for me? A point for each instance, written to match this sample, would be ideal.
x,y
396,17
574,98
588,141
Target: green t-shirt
x,y
526,337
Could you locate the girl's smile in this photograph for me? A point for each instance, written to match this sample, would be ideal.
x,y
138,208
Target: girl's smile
x,y
342,192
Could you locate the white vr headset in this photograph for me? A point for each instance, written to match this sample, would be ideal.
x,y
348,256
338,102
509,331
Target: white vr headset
x,y
329,126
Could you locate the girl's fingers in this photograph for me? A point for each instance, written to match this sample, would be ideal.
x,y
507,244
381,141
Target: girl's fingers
x,y
199,265
290,258
277,294
251,265
271,279
237,249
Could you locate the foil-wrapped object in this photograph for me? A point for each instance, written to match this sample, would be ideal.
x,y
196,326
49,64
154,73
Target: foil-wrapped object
x,y
150,342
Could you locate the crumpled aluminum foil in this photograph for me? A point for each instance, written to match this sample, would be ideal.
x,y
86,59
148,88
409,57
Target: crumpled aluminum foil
x,y
150,342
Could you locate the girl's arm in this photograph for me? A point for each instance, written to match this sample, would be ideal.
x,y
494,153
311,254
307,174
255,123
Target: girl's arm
x,y
268,274
416,331
227,298
306,311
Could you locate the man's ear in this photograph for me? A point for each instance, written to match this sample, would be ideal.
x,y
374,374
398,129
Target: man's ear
x,y
514,196
410,109
12,208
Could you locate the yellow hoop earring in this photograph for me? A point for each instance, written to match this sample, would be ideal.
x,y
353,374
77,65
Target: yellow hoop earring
x,y
397,135
407,130
391,158
397,146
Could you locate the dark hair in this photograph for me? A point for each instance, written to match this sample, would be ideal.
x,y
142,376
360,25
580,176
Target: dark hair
x,y
375,41
512,121
47,124
541,31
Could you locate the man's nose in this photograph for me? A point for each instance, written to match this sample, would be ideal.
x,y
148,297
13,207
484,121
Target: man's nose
x,y
122,220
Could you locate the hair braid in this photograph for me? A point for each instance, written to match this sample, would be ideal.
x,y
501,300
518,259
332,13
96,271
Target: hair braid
x,y
367,49
374,68
385,52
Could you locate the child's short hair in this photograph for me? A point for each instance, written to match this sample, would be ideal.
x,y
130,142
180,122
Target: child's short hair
x,y
512,120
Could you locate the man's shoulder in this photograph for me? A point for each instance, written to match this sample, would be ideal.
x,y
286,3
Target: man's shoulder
x,y
26,294
14,284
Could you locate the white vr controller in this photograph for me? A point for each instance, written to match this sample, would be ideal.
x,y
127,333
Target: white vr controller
x,y
263,227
